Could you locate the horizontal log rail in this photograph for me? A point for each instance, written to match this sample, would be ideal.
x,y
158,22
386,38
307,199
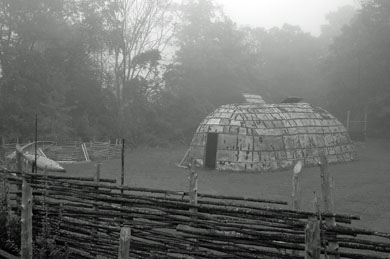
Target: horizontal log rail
x,y
163,225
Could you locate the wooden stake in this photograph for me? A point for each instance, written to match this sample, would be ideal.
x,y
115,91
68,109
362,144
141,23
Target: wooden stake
x,y
6,197
296,191
19,168
193,195
296,186
26,235
35,168
19,163
312,239
95,234
124,243
327,195
45,207
193,187
122,172
7,204
123,164
45,193
327,184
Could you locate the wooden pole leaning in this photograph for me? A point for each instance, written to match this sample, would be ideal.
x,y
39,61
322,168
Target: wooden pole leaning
x,y
327,184
124,243
26,221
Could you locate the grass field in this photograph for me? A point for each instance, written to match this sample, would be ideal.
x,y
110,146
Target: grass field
x,y
362,187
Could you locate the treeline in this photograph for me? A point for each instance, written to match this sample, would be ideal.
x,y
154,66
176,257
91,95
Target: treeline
x,y
150,70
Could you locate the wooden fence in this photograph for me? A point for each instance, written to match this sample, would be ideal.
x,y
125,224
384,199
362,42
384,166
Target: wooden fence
x,y
74,151
357,126
88,216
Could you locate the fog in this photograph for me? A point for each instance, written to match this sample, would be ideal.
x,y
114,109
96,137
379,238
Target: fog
x,y
309,15
254,98
189,58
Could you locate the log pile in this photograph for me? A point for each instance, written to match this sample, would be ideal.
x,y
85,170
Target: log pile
x,y
87,216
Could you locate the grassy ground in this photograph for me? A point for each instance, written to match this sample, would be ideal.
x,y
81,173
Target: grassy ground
x,y
362,187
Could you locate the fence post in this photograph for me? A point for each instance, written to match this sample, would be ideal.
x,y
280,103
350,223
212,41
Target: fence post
x,y
19,168
26,235
312,238
296,191
45,221
7,198
348,119
123,164
193,195
296,186
124,243
193,188
327,196
94,231
19,163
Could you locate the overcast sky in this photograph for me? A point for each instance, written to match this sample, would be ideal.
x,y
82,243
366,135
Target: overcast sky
x,y
308,14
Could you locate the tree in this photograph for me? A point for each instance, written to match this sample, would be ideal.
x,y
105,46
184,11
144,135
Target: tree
x,y
132,35
45,70
210,67
335,23
287,62
359,63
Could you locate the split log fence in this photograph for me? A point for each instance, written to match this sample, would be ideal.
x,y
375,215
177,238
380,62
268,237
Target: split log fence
x,y
97,218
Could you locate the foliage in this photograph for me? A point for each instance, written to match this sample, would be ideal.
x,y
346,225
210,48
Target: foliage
x,y
358,66
45,245
46,71
209,63
9,229
335,23
149,71
287,62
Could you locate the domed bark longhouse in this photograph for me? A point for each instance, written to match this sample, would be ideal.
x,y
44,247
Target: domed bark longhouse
x,y
261,137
